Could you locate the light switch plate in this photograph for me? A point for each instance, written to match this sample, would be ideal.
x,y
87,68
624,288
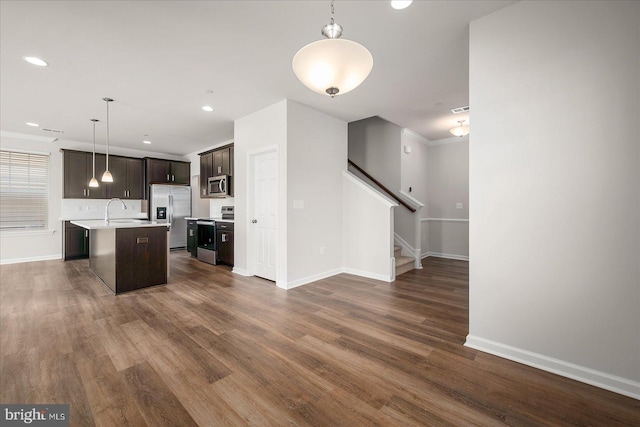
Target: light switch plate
x,y
458,205
298,204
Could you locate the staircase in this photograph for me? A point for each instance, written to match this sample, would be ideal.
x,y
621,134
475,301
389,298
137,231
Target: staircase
x,y
403,263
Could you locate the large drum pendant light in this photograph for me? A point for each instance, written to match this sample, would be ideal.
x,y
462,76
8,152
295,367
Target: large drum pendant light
x,y
106,176
94,181
332,66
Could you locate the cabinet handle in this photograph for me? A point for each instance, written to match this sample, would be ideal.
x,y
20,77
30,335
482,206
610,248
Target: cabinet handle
x,y
173,178
167,177
86,233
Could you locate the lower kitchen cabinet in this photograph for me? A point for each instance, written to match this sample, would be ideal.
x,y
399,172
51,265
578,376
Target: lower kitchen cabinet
x,y
76,242
224,242
192,237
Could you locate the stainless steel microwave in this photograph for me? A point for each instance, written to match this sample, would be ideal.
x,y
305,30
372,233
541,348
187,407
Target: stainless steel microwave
x,y
217,186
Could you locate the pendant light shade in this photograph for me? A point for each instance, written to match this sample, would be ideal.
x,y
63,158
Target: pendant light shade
x,y
106,176
460,130
332,66
94,181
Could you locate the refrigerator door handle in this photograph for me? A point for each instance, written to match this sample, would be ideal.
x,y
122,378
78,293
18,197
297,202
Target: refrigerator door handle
x,y
171,209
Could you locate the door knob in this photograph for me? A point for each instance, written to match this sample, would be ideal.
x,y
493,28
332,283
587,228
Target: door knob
x,y
253,221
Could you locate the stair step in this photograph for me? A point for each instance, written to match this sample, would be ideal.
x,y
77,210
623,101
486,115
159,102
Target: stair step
x,y
397,251
404,264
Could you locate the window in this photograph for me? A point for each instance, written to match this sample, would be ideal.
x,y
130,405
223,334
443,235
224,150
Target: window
x,y
24,190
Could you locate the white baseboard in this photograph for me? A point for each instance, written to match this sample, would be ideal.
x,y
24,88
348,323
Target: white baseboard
x,y
369,275
31,259
315,277
560,367
241,272
448,256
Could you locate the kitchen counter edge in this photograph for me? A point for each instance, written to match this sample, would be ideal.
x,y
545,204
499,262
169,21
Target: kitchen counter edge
x,y
96,224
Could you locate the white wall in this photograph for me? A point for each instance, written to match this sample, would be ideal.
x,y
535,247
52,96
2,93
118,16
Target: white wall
x,y
447,226
258,131
316,157
48,245
554,200
368,230
312,149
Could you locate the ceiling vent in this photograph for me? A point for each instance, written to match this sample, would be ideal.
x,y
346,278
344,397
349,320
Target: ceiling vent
x,y
53,131
460,110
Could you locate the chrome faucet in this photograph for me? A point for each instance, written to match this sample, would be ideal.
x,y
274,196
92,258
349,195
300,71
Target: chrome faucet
x,y
106,210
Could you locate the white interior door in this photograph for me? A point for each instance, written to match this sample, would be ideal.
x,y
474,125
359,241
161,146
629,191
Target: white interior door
x,y
265,214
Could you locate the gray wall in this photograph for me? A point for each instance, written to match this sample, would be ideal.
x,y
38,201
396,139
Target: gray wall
x,y
448,177
374,145
554,200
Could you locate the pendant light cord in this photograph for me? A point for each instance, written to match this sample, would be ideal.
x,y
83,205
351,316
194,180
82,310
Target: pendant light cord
x,y
107,168
94,150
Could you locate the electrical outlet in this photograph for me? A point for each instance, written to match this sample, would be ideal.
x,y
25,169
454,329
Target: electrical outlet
x,y
458,205
321,250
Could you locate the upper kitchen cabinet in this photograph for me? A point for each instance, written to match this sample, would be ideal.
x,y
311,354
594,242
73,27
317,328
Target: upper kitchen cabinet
x,y
215,163
221,162
161,171
78,171
128,177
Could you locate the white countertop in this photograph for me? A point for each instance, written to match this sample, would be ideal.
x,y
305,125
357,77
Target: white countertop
x,y
94,224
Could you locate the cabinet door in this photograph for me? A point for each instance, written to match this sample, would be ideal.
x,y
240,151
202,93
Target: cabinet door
x,y
206,170
101,192
158,171
76,242
76,181
225,247
230,161
180,173
135,179
218,162
118,168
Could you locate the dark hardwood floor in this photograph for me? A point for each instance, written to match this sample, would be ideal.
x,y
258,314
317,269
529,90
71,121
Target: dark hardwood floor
x,y
214,348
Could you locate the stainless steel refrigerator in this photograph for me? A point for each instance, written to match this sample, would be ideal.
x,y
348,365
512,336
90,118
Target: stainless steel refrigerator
x,y
171,203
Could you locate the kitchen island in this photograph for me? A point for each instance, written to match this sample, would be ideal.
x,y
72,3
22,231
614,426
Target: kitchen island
x,y
128,254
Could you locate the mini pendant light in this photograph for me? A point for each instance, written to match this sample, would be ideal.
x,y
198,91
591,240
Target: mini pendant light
x,y
106,176
94,181
460,130
332,66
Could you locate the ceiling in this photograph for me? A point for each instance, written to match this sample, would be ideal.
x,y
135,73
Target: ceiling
x,y
161,61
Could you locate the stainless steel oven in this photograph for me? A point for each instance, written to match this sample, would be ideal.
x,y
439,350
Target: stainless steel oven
x,y
207,241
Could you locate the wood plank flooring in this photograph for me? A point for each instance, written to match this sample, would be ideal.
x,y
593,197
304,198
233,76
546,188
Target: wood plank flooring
x,y
213,348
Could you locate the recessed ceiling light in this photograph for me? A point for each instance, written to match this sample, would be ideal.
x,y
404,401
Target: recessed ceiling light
x,y
207,108
146,141
35,125
36,61
401,4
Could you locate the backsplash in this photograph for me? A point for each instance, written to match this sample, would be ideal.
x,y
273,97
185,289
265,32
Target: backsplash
x,y
216,204
74,209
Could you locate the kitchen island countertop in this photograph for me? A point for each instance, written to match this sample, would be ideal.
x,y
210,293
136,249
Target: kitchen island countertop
x,y
96,224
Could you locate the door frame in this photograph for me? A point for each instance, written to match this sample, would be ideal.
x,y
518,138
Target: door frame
x,y
251,238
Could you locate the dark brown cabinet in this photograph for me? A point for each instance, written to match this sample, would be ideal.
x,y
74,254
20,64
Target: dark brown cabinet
x,y
78,170
76,242
215,163
128,178
127,172
224,243
221,162
161,171
206,171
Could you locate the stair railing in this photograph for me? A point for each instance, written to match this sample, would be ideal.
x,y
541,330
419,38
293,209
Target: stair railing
x,y
382,186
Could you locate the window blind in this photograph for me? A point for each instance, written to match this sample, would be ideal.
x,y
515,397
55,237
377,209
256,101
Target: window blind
x,y
24,190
